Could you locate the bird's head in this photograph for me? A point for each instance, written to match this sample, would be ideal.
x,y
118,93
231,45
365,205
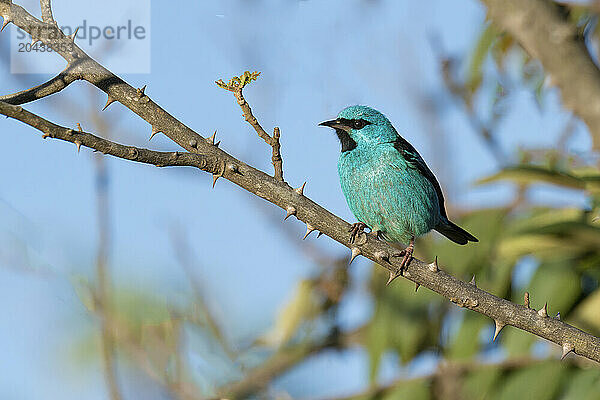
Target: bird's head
x,y
361,125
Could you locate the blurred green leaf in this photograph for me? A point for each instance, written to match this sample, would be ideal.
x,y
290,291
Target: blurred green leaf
x,y
482,48
557,284
414,390
529,174
465,343
538,382
541,217
543,246
487,225
516,342
584,385
299,308
403,321
378,336
136,308
478,385
588,311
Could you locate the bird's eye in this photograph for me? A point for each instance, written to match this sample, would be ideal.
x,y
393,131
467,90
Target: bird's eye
x,y
359,123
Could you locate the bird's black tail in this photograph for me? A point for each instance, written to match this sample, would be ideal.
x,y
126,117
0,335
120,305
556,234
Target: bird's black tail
x,y
455,233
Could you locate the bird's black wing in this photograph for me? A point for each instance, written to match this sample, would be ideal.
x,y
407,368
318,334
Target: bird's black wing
x,y
414,160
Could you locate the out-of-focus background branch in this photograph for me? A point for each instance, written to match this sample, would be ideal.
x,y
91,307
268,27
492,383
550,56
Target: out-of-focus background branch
x,y
199,317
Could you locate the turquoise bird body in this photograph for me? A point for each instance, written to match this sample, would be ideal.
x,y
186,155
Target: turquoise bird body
x,y
387,185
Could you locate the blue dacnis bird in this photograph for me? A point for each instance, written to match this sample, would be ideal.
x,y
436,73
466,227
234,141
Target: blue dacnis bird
x,y
387,185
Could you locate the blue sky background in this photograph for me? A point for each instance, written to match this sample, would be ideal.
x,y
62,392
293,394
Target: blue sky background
x,y
316,57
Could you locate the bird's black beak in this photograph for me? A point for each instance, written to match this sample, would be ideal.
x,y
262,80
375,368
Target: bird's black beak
x,y
335,124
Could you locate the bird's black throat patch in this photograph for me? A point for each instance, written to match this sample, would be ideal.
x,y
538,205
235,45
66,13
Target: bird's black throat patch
x,y
347,142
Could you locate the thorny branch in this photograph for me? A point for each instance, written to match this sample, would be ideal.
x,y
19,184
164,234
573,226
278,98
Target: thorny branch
x,y
184,255
82,138
236,86
206,156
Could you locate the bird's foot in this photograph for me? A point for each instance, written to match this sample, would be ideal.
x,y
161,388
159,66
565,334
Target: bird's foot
x,y
407,257
356,229
408,254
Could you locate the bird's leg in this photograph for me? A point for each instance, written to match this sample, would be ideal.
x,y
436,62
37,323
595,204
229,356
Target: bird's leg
x,y
356,229
406,255
408,252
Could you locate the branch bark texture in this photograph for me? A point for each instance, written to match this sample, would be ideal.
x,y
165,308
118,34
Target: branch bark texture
x,y
547,36
54,85
203,154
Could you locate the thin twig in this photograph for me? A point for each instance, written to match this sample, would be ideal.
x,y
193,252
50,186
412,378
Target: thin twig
x,y
103,276
46,6
236,86
182,249
276,158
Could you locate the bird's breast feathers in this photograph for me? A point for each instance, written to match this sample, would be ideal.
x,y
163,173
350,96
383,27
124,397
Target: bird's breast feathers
x,y
386,193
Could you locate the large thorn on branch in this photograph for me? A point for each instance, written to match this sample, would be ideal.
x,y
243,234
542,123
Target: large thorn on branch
x,y
355,253
543,312
215,178
499,325
309,229
566,349
291,210
211,139
300,190
109,101
433,267
393,275
141,92
73,35
155,131
6,22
